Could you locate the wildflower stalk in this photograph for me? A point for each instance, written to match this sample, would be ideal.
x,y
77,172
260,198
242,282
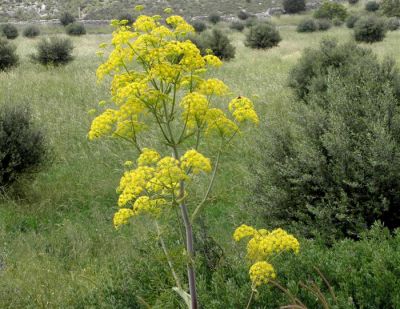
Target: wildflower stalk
x,y
166,84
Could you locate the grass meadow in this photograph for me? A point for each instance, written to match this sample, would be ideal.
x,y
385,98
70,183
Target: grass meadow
x,y
58,247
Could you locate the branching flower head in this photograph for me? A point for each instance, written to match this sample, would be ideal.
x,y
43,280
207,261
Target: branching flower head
x,y
261,247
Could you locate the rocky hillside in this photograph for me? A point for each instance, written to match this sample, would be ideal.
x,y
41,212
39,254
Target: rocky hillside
x,y
18,10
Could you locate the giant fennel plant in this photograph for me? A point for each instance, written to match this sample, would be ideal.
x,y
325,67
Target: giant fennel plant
x,y
159,84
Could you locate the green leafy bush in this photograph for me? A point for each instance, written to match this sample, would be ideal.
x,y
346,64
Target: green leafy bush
x,y
22,145
324,24
352,2
214,18
333,167
31,32
199,26
216,41
372,6
237,25
75,29
128,17
8,56
307,25
351,20
66,18
391,7
294,6
251,22
243,15
262,36
9,31
393,23
337,22
331,10
369,29
53,51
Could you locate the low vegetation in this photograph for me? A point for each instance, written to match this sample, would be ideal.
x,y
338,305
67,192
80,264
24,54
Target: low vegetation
x,y
53,51
262,36
8,55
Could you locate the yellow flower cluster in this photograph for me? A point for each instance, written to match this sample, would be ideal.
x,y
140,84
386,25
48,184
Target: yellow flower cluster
x,y
242,109
147,187
263,245
261,272
157,79
149,63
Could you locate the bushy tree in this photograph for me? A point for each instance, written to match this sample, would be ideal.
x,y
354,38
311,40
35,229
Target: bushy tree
x,y
237,25
66,18
8,56
391,7
128,17
370,29
372,6
22,145
331,10
263,36
294,6
31,31
217,42
9,31
199,26
53,51
332,168
393,23
307,25
214,18
324,24
76,29
243,15
351,20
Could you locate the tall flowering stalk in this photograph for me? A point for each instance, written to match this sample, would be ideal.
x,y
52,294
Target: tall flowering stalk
x,y
159,84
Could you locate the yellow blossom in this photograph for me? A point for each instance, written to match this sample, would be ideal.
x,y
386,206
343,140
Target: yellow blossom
x,y
242,109
122,216
196,162
148,157
261,273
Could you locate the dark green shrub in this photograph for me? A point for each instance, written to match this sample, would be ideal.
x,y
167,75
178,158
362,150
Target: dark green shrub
x,y
352,2
324,24
53,51
331,10
393,23
66,18
251,22
372,6
22,145
199,26
369,29
332,167
75,29
262,36
128,17
218,42
351,20
31,32
391,7
243,15
307,25
337,22
8,56
294,6
237,25
214,18
9,31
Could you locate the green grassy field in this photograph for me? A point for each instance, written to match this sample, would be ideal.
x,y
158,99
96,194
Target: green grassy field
x,y
57,243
